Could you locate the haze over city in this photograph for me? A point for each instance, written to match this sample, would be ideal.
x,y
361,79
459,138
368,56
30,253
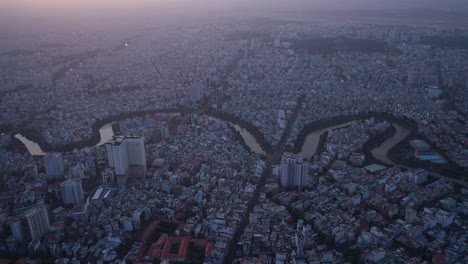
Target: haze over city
x,y
234,131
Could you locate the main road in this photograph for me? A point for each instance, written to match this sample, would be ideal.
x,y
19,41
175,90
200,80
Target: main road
x,y
272,158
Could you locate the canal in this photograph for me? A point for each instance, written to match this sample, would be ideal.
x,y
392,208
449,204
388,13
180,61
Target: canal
x,y
309,148
249,140
34,149
380,152
106,132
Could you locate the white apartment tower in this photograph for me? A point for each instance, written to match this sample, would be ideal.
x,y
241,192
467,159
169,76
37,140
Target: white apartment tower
x,y
72,191
35,222
53,164
125,153
294,171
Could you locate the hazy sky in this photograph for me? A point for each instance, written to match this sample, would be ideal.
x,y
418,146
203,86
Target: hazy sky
x,y
69,5
70,12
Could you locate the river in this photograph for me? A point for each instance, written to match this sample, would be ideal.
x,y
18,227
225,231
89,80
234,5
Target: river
x,y
380,152
249,140
34,149
106,134
311,142
309,148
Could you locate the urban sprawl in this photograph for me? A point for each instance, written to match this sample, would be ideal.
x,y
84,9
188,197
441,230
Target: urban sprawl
x,y
212,156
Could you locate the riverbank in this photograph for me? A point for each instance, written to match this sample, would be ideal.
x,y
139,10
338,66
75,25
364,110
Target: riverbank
x,y
38,139
35,136
321,142
375,142
451,169
242,141
315,141
325,124
247,126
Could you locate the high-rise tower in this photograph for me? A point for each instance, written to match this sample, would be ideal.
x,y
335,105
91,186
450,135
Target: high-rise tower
x,y
53,164
294,171
127,156
72,191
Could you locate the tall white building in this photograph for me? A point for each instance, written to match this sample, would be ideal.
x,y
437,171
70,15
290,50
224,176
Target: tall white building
x,y
72,191
125,153
294,171
53,164
35,222
117,155
196,93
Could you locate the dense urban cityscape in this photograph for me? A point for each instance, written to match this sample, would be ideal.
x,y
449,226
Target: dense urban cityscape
x,y
236,139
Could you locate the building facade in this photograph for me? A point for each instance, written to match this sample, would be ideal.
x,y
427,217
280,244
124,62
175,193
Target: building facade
x,y
126,154
72,191
53,164
35,223
294,171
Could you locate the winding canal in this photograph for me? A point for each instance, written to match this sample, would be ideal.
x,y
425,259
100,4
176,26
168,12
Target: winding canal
x,y
249,140
308,150
106,132
34,149
380,152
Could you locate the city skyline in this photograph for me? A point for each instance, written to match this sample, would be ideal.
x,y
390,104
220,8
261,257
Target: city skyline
x,y
233,131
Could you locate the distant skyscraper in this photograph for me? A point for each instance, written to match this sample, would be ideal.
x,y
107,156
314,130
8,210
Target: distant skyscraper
x,y
125,153
196,93
294,171
53,163
72,191
35,222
